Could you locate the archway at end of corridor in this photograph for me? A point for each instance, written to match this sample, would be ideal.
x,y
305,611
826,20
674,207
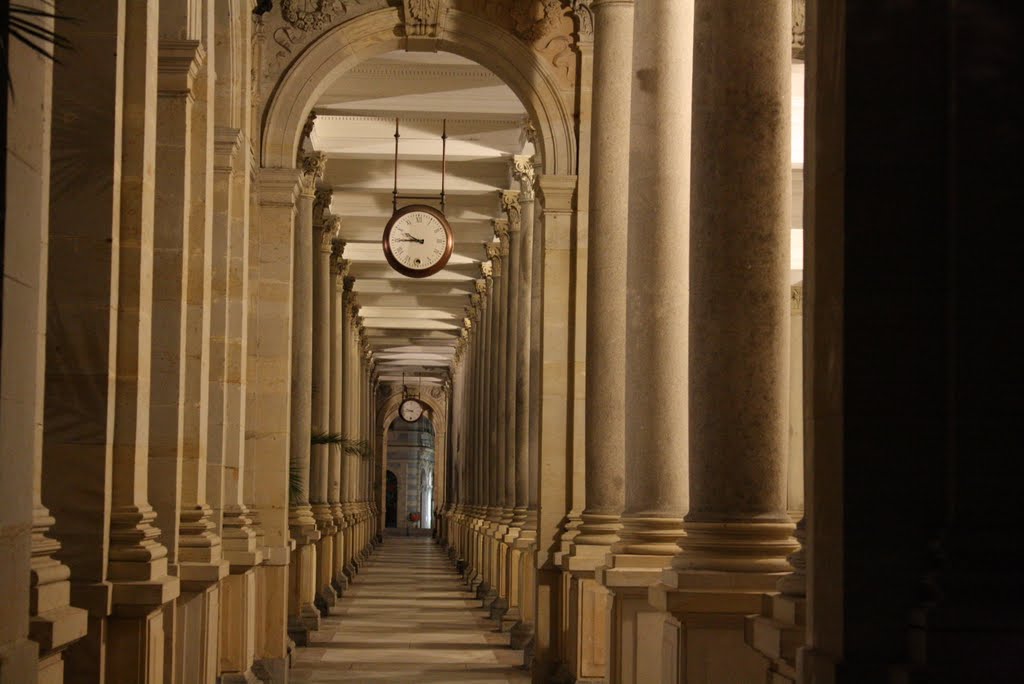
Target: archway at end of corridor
x,y
409,496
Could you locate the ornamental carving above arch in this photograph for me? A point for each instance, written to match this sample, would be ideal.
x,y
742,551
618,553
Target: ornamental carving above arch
x,y
546,26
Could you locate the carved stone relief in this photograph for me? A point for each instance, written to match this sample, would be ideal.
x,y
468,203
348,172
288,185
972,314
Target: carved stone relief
x,y
799,20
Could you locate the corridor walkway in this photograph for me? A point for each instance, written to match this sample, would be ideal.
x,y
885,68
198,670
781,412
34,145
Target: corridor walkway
x,y
408,618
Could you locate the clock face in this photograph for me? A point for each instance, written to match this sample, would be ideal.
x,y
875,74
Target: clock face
x,y
418,241
410,410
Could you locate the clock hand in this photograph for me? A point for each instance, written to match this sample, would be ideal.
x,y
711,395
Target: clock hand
x,y
409,238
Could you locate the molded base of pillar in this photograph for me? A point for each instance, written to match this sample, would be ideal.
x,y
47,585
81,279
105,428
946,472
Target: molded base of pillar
x,y
247,677
18,661
271,670
521,635
340,583
326,597
498,609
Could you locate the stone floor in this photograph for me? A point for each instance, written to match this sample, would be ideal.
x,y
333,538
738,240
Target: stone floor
x,y
408,618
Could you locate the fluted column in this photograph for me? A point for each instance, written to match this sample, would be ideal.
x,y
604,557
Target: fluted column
x,y
656,355
303,616
738,532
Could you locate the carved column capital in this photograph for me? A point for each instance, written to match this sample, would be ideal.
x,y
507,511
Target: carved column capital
x,y
313,166
501,228
322,197
510,205
523,171
330,230
799,21
584,19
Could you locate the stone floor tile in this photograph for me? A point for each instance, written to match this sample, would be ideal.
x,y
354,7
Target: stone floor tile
x,y
407,617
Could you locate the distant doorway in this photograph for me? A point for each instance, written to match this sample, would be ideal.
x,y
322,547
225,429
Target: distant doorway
x,y
391,501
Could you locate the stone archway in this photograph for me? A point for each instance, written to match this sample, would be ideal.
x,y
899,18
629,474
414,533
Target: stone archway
x,y
544,93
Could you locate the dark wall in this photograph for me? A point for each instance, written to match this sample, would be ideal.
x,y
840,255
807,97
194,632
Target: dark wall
x,y
920,137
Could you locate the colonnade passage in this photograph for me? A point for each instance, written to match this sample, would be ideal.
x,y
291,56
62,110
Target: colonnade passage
x,y
408,617
714,387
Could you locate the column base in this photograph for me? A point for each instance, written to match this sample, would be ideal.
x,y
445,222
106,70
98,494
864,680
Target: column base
x,y
710,609
777,633
498,609
18,661
521,635
636,629
272,669
247,677
340,583
326,598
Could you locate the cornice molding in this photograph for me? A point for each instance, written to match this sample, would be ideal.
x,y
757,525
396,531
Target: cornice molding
x,y
419,72
178,64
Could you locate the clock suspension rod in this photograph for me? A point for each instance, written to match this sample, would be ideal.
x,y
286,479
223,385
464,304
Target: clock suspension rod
x,y
394,192
444,157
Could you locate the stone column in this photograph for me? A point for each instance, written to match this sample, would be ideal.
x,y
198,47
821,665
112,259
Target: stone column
x,y
347,403
488,590
738,532
302,615
35,613
323,292
137,561
606,337
268,400
520,212
500,431
239,538
510,204
528,408
179,64
339,269
200,564
656,355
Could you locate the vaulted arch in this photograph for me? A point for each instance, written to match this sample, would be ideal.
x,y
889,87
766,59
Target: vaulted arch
x,y
342,47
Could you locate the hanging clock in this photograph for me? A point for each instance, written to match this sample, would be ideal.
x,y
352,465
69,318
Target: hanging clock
x,y
418,241
410,410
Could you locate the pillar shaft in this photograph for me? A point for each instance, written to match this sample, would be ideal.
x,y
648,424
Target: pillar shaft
x,y
740,295
606,272
300,513
657,279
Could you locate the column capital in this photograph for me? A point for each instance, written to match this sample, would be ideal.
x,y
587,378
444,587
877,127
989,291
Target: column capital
x,y
481,285
339,264
178,64
796,299
510,205
322,202
348,283
523,171
501,227
585,19
313,166
330,230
